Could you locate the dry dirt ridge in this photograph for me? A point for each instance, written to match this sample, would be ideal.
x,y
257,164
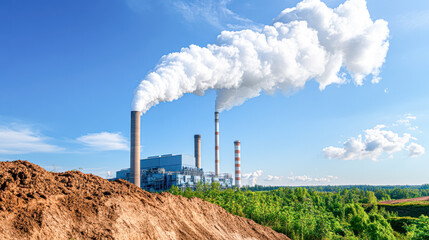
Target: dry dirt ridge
x,y
405,200
36,204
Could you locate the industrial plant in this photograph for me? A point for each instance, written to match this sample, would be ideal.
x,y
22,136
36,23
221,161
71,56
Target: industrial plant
x,y
157,173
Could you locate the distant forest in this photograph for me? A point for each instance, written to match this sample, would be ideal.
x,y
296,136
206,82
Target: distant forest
x,y
382,192
329,188
325,212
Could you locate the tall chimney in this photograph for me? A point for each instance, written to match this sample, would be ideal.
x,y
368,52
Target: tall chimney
x,y
237,164
197,148
217,143
135,148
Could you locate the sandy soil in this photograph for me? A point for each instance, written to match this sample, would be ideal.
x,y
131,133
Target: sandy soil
x,y
36,204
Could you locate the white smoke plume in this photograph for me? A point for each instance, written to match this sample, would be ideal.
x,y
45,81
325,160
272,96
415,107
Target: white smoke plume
x,y
252,177
309,41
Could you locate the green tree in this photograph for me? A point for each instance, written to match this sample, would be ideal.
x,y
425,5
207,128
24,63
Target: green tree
x,y
370,198
420,229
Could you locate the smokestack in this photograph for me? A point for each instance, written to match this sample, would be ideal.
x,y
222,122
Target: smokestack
x,y
237,164
197,148
217,143
135,148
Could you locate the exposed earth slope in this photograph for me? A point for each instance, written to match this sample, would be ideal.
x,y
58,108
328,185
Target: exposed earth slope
x,y
405,200
37,204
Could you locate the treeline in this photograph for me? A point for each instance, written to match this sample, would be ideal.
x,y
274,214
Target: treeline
x,y
303,213
381,192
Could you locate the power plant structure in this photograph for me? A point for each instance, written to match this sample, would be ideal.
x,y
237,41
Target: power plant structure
x,y
197,147
135,148
159,173
217,169
237,164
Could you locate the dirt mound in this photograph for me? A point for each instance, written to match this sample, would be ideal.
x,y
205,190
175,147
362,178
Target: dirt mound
x,y
36,204
405,200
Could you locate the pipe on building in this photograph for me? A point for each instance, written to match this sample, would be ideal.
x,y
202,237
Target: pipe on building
x,y
237,164
217,143
197,148
135,148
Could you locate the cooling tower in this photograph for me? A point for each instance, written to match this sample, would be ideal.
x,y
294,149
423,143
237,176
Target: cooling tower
x,y
237,164
197,148
135,148
217,143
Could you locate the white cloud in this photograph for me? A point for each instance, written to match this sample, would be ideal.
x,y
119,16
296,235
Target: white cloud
x,y
104,141
215,12
252,177
100,171
405,120
22,139
327,179
306,178
303,178
273,178
410,116
375,142
415,150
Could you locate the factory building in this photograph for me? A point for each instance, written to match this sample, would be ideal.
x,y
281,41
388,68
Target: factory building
x,y
161,172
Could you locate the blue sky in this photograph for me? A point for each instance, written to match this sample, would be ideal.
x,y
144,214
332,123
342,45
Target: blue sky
x,y
68,70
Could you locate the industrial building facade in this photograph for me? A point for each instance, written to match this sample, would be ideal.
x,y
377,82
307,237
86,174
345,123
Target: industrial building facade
x,y
159,173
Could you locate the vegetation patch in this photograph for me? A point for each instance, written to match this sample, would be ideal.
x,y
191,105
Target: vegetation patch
x,y
407,209
321,212
399,223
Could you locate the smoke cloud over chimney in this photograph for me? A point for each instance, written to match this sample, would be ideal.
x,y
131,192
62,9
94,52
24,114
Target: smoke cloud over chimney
x,y
309,41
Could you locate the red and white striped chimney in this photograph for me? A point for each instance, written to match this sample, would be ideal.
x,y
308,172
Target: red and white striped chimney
x,y
217,143
237,164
